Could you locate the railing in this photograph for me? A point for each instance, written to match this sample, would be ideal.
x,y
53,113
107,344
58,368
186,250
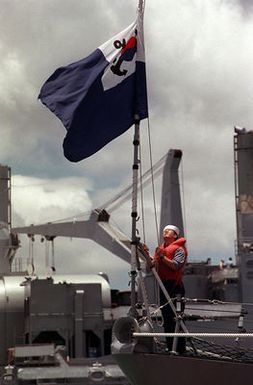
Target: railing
x,y
185,335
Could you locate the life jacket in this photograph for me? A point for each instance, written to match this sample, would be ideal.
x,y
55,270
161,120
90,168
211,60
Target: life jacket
x,y
165,273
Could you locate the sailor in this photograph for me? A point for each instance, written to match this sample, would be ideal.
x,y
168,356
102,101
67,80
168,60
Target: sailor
x,y
169,259
230,263
222,264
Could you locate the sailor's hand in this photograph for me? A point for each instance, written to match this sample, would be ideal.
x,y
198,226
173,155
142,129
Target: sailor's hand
x,y
160,252
145,248
151,263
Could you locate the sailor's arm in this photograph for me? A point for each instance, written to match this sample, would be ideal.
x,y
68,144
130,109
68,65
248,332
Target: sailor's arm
x,y
177,262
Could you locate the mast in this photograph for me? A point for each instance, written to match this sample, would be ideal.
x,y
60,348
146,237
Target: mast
x,y
5,195
134,214
8,241
243,156
171,207
135,263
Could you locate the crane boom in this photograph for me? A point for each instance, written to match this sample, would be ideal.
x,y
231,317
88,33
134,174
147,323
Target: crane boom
x,y
96,228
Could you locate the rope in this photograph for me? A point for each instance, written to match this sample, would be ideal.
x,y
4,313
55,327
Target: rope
x,y
212,310
211,350
116,201
157,292
145,296
222,335
216,302
157,320
152,181
142,197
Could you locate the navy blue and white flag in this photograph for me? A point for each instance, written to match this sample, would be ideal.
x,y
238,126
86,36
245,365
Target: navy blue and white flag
x,y
97,98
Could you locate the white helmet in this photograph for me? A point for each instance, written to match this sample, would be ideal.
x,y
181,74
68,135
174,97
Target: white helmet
x,y
172,227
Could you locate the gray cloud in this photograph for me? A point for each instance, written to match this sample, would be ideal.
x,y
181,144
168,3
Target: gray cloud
x,y
246,6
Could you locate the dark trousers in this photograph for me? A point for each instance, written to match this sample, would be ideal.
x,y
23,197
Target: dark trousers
x,y
173,289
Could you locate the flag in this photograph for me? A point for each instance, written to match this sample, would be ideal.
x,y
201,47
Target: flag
x,y
98,97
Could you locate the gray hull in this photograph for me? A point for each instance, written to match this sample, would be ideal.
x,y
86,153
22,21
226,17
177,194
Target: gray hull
x,y
163,369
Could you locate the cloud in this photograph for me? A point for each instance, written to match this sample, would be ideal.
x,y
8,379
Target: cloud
x,y
43,200
200,71
246,6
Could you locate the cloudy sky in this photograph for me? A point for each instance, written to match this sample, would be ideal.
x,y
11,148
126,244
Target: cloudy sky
x,y
200,73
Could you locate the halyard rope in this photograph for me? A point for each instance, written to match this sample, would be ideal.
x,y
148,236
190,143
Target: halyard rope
x,y
185,335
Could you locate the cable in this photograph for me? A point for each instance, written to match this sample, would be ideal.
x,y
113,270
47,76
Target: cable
x,y
152,181
124,195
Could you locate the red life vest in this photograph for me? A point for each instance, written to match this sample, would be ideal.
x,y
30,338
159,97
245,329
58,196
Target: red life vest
x,y
163,270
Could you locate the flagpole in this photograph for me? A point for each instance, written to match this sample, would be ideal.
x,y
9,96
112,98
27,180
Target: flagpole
x,y
141,6
134,215
135,263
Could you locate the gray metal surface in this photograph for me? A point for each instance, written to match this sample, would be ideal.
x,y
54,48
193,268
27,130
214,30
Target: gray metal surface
x,y
171,209
150,369
48,365
48,308
8,241
5,208
244,165
88,279
83,373
243,148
